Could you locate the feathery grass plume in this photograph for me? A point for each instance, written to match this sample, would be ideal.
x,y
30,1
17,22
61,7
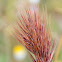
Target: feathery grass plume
x,y
34,34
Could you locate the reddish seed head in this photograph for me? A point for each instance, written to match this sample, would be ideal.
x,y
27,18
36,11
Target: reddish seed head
x,y
34,34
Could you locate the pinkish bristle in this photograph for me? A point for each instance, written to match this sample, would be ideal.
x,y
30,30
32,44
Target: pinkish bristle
x,y
35,36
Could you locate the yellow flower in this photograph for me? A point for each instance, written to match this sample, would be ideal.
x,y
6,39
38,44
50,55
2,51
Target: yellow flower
x,y
19,52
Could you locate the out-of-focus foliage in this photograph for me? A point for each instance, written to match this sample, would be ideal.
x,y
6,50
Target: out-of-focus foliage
x,y
8,12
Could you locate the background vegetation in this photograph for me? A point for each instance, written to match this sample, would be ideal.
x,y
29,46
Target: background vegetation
x,y
8,12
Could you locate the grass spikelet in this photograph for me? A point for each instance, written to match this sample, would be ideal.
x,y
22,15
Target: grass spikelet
x,y
33,32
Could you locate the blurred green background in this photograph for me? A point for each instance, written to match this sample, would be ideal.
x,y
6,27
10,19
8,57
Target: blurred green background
x,y
8,16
